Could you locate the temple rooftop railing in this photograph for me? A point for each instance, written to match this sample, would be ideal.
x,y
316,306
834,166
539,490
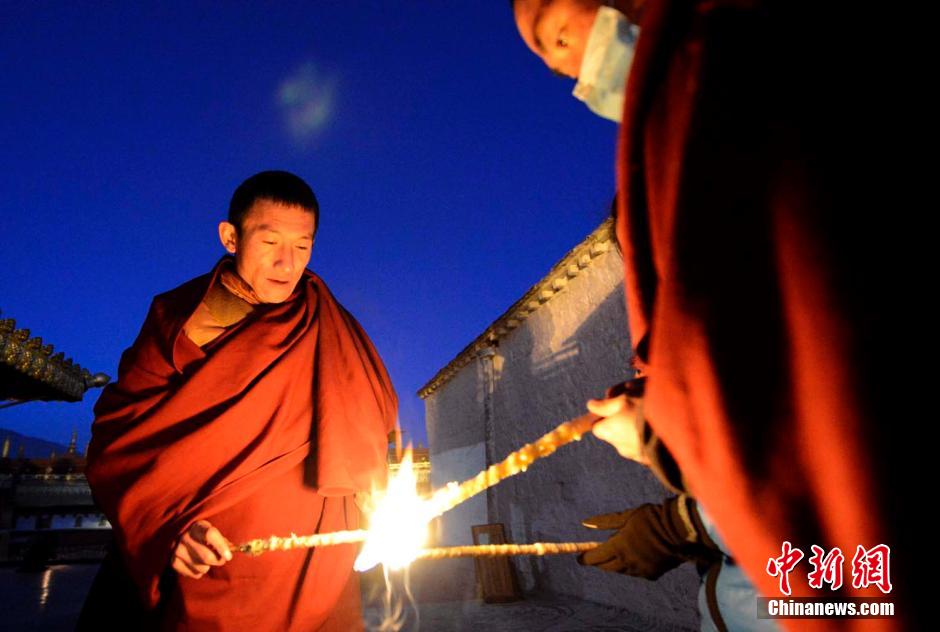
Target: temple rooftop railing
x,y
31,371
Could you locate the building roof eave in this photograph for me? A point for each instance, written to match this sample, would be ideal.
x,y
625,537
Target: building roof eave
x,y
570,266
30,371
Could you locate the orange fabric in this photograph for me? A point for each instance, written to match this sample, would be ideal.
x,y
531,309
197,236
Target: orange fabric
x,y
268,429
750,283
238,286
219,310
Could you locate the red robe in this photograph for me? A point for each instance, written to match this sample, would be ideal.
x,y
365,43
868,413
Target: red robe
x,y
267,430
753,280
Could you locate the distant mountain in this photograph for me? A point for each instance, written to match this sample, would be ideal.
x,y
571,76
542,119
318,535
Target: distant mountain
x,y
33,447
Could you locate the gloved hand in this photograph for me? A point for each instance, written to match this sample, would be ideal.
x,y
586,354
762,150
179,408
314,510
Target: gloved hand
x,y
651,539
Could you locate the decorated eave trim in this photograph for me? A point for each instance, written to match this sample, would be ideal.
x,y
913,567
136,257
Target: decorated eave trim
x,y
30,357
580,257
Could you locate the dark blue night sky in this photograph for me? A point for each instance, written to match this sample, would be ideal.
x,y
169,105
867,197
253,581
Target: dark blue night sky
x,y
452,168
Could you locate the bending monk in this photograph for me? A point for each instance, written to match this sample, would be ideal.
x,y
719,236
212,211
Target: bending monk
x,y
250,404
748,210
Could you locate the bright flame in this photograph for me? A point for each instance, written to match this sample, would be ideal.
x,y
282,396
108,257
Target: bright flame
x,y
398,526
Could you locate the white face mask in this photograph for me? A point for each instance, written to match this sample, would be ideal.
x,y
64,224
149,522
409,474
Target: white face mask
x,y
602,80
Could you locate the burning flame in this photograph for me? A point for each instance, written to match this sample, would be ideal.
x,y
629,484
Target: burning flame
x,y
398,526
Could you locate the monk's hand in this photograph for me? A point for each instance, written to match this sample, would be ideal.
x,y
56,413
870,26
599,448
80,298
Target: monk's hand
x,y
201,547
622,421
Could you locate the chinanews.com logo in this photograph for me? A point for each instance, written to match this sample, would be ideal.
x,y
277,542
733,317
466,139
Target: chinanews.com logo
x,y
869,567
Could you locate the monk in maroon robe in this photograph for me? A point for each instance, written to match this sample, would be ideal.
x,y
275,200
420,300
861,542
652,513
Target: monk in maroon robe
x,y
251,404
757,279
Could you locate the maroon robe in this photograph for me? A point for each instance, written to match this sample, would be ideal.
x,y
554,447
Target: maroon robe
x,y
269,429
755,280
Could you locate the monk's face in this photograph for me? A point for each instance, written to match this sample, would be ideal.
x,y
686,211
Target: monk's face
x,y
556,30
272,248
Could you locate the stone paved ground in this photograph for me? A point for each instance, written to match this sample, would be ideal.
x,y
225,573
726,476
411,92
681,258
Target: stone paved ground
x,y
51,600
440,604
538,614
44,600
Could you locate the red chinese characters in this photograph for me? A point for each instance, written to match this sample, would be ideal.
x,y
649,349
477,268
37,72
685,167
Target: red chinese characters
x,y
781,566
872,567
827,569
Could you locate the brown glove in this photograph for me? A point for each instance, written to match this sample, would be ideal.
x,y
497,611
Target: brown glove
x,y
651,539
